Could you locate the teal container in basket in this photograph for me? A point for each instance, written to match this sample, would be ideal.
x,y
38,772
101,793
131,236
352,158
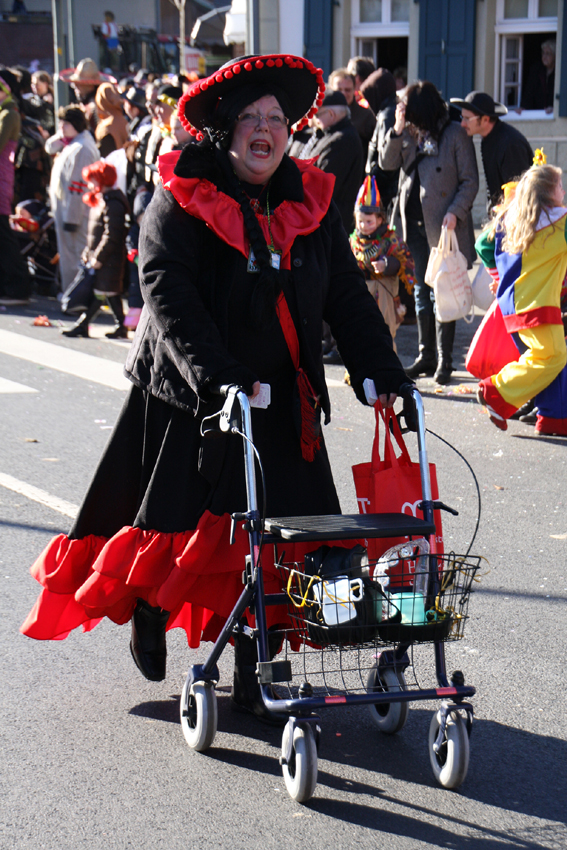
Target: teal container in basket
x,y
410,605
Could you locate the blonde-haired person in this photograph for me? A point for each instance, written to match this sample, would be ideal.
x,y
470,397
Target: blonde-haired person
x,y
525,248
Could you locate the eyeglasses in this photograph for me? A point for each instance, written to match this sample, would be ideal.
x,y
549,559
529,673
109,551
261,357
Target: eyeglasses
x,y
472,118
253,119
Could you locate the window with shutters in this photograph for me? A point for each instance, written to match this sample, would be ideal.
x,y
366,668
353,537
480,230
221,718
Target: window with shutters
x,y
525,33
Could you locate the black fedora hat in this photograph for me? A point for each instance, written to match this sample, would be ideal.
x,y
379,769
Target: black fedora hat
x,y
480,103
298,77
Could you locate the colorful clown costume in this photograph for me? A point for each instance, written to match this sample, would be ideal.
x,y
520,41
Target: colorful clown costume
x,y
529,296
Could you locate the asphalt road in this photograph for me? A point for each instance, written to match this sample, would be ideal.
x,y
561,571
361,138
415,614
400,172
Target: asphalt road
x,y
93,755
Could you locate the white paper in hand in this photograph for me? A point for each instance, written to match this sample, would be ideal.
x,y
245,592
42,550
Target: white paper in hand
x,y
263,398
369,388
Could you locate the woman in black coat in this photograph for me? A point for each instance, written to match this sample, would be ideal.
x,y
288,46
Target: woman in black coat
x,y
105,251
242,255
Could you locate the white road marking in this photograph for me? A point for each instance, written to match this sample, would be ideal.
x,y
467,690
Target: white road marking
x,y
106,372
7,386
37,495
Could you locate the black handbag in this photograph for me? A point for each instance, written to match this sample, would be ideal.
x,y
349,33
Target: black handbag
x,y
79,294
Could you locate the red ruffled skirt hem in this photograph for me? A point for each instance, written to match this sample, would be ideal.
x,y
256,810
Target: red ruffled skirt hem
x,y
196,575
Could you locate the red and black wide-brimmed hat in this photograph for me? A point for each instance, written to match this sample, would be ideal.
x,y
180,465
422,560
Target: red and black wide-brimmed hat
x,y
298,77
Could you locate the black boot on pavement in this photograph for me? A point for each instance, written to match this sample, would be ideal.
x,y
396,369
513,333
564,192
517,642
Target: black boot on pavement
x,y
148,645
120,331
246,695
81,326
426,360
445,332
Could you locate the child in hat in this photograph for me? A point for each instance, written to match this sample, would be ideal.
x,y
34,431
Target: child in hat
x,y
383,257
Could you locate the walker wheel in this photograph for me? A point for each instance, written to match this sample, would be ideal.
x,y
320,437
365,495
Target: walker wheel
x,y
300,774
451,762
389,717
199,715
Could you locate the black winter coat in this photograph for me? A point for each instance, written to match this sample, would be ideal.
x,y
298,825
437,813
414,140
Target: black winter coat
x,y
506,154
187,273
106,241
340,152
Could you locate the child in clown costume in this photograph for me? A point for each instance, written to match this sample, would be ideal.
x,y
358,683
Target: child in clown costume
x,y
383,257
525,248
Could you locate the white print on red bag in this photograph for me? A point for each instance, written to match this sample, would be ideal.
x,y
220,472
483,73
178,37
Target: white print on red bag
x,y
413,508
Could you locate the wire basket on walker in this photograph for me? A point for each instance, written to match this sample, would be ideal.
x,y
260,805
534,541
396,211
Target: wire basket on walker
x,y
353,621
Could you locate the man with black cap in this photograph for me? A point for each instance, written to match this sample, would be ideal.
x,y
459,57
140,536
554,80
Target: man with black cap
x,y
337,149
506,153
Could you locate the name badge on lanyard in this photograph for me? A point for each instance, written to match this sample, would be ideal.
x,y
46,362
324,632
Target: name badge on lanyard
x,y
253,265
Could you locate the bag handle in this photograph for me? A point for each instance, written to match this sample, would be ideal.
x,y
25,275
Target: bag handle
x,y
445,242
390,459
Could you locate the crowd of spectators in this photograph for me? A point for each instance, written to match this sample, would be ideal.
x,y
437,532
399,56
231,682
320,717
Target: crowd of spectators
x,y
44,158
413,146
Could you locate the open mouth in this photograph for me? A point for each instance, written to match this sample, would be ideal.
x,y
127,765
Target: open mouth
x,y
260,148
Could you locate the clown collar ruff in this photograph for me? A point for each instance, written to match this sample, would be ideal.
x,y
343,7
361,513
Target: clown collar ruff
x,y
306,196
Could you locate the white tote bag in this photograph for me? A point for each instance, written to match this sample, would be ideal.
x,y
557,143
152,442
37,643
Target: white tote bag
x,y
482,296
450,280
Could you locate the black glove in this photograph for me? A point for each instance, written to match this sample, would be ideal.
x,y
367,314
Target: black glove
x,y
409,410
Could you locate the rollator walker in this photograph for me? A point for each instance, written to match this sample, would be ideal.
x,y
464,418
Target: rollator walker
x,y
352,627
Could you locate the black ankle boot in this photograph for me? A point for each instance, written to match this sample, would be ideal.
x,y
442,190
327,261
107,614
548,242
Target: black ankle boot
x,y
147,645
426,360
115,304
81,326
246,694
445,332
119,332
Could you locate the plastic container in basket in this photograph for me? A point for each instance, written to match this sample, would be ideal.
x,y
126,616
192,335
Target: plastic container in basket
x,y
427,603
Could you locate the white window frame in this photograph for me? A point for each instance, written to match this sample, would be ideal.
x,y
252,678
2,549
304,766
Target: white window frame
x,y
387,27
518,27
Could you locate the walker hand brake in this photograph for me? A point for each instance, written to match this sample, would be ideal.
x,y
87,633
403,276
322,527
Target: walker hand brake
x,y
441,506
234,518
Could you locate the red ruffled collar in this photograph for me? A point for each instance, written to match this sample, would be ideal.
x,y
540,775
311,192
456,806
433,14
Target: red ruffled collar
x,y
201,198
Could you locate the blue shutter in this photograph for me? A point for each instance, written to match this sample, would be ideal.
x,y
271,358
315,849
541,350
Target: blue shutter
x,y
318,33
446,45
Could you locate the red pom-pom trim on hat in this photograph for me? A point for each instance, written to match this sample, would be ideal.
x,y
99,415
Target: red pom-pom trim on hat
x,y
237,69
248,66
288,60
279,63
228,75
218,78
259,64
270,63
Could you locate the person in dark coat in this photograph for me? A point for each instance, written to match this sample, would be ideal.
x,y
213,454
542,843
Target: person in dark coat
x,y
380,91
438,185
336,147
242,254
105,251
362,117
506,153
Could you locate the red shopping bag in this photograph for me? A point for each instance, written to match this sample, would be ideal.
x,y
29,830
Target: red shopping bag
x,y
391,483
492,346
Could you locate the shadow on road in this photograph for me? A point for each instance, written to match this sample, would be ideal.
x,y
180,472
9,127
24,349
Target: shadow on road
x,y
510,769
